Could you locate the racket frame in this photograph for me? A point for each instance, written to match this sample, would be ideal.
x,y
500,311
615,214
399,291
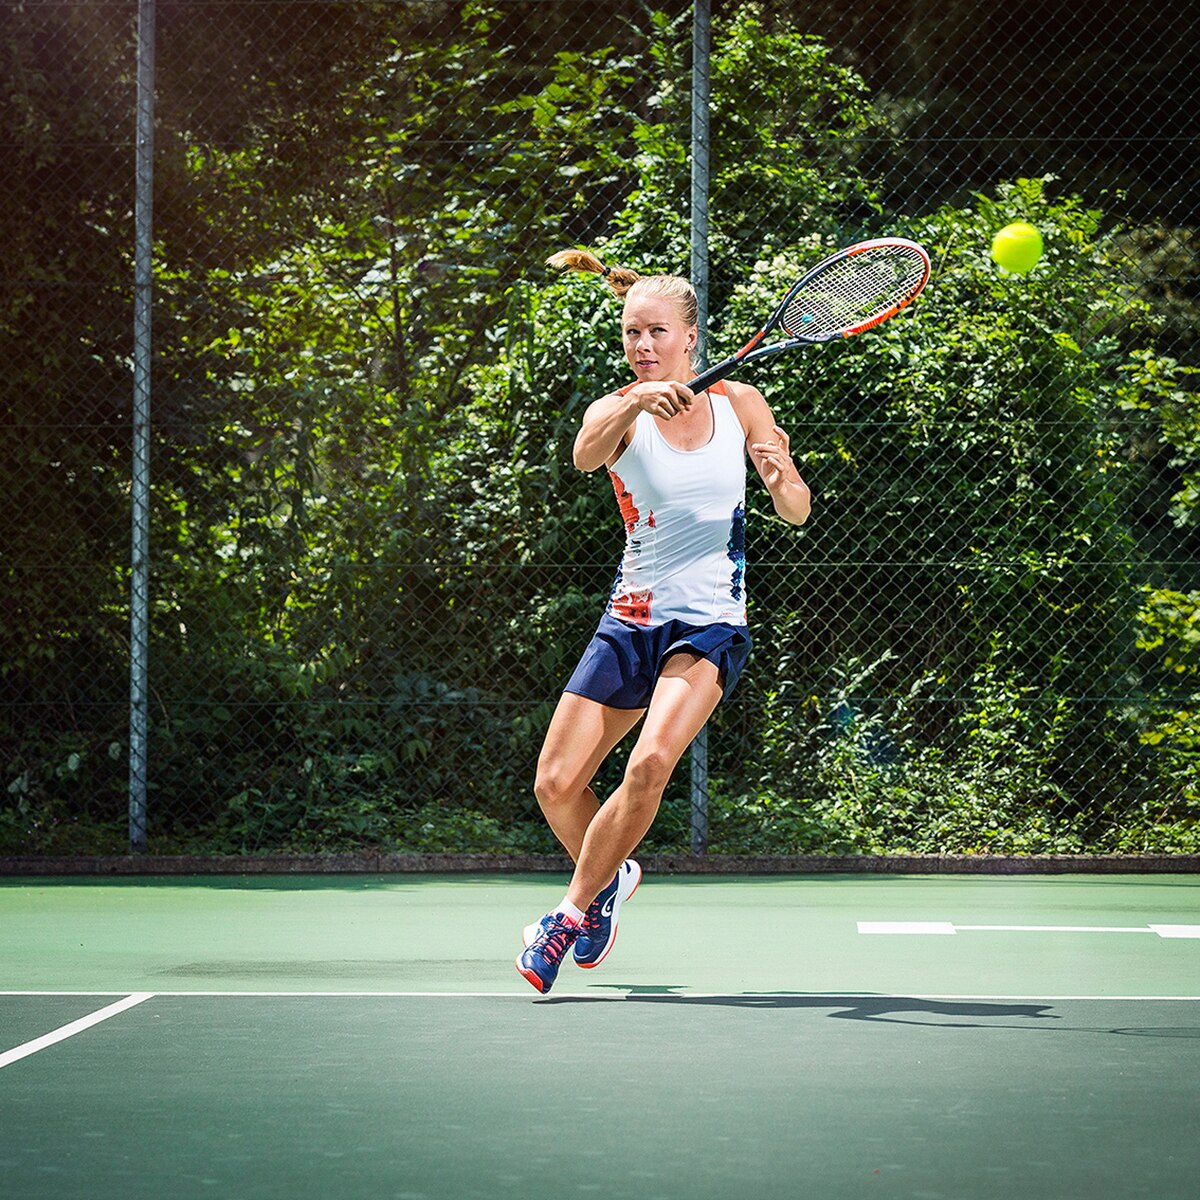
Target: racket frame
x,y
753,350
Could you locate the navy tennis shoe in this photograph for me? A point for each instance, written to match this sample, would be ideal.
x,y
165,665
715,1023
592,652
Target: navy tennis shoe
x,y
546,945
599,929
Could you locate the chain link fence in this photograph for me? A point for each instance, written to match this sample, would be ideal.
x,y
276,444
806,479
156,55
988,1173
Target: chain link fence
x,y
372,565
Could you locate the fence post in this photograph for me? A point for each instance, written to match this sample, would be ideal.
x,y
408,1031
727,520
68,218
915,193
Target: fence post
x,y
701,55
139,585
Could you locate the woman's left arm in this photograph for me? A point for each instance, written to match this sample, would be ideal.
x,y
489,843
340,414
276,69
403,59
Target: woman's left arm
x,y
770,452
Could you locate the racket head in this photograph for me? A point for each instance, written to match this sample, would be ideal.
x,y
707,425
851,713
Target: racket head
x,y
854,289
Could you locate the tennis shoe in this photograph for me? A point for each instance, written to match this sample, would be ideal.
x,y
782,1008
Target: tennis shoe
x,y
552,937
599,929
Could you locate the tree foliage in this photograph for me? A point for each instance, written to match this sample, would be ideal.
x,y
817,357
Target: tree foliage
x,y
373,562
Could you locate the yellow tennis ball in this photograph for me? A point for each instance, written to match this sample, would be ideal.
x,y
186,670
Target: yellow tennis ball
x,y
1017,247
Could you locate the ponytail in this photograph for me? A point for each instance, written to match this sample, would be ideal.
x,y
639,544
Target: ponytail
x,y
620,279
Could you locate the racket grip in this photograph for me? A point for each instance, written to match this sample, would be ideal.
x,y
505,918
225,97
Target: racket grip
x,y
717,371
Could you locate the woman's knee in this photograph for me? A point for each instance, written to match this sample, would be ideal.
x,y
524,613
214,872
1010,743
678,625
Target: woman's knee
x,y
649,771
554,788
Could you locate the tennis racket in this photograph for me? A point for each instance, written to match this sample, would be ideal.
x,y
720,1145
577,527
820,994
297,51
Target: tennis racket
x,y
852,290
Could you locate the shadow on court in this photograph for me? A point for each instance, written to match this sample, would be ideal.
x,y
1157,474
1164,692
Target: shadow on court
x,y
850,1008
885,1010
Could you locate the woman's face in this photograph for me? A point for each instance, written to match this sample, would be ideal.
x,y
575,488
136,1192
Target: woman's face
x,y
658,342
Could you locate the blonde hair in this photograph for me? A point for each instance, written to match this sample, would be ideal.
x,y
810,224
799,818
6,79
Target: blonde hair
x,y
622,280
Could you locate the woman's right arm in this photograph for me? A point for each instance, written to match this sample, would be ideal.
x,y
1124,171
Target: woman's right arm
x,y
601,437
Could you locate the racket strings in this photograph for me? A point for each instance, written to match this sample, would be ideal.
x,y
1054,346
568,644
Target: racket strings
x,y
854,291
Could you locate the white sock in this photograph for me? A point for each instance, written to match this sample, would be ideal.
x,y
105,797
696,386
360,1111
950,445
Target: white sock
x,y
569,910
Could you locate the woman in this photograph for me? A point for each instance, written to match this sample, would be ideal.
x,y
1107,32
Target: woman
x,y
673,638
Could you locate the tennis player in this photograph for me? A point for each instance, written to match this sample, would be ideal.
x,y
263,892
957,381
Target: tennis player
x,y
673,637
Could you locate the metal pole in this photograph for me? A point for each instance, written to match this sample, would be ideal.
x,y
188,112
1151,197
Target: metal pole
x,y
701,55
139,589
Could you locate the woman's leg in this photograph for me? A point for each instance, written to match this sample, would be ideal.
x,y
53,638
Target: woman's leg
x,y
582,733
687,692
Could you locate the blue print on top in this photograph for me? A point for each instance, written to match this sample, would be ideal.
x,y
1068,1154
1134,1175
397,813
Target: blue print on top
x,y
735,548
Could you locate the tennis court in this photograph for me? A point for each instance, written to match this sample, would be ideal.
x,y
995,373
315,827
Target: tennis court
x,y
833,1035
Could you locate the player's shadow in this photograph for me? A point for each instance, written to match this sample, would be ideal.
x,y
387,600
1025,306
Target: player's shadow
x,y
848,1008
893,1010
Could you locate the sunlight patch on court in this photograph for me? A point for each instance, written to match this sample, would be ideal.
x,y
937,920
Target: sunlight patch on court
x,y
948,928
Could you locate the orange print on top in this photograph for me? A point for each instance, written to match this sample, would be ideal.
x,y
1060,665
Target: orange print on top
x,y
633,607
629,512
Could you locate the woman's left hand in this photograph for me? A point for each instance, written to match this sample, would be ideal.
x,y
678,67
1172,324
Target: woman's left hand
x,y
774,460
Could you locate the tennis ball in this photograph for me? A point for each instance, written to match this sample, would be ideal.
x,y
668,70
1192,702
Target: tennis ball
x,y
1017,247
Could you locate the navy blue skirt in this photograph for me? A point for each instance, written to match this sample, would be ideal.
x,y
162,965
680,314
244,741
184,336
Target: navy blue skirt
x,y
622,662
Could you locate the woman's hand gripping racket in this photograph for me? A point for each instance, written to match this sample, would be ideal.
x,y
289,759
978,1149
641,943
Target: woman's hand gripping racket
x,y
852,290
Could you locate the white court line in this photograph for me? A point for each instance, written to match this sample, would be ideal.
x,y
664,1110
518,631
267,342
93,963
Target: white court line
x,y
941,928
681,994
66,1031
530,994
1053,929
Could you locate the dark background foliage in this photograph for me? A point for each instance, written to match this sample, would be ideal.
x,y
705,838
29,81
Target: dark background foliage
x,y
373,564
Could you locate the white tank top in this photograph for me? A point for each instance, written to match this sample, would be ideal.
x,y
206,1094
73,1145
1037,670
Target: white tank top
x,y
685,524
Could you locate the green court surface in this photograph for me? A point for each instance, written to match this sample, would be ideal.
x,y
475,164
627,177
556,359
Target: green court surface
x,y
824,1036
